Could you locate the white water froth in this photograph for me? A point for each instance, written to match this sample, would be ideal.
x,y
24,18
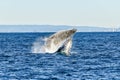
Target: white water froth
x,y
37,46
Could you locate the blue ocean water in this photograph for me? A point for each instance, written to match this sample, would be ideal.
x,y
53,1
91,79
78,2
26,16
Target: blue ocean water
x,y
94,56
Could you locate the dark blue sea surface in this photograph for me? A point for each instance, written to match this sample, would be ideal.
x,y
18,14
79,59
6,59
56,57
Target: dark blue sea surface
x,y
94,56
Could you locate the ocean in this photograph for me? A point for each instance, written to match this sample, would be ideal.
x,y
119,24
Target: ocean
x,y
94,56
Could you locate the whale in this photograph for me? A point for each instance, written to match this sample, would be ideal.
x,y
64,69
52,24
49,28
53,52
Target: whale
x,y
60,41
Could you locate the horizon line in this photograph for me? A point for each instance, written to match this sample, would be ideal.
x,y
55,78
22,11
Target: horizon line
x,y
52,25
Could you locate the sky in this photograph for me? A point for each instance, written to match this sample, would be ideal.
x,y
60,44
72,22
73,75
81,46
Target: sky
x,y
101,13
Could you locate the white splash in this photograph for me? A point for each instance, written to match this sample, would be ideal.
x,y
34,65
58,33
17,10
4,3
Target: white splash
x,y
37,46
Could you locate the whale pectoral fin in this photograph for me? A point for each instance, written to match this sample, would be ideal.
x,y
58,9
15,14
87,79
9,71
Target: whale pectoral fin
x,y
66,47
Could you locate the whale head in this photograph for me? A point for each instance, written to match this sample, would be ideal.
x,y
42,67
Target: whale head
x,y
73,30
68,33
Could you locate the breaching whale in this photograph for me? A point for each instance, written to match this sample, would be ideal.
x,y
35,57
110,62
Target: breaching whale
x,y
59,42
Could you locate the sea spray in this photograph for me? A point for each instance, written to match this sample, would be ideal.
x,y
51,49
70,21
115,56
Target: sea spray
x,y
38,45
